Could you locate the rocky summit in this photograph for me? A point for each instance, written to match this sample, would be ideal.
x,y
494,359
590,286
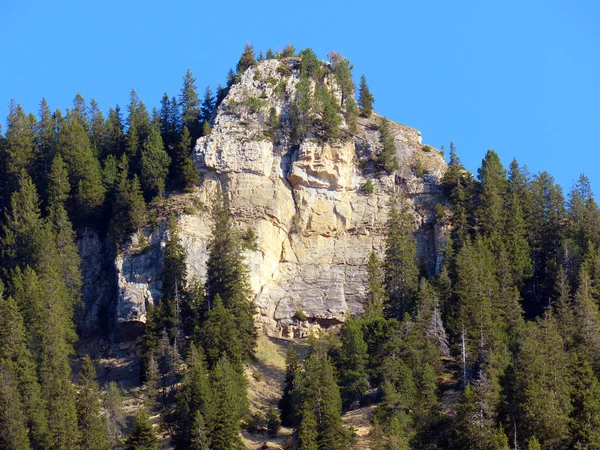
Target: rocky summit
x,y
315,223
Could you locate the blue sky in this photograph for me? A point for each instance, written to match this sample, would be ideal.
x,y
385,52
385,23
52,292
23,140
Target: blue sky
x,y
519,77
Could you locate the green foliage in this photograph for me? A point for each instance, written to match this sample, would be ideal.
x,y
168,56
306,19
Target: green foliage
x,y
400,268
387,159
419,169
330,116
246,60
365,98
154,165
129,208
376,297
289,50
289,404
142,435
302,110
342,70
220,336
273,421
189,103
227,275
369,187
352,363
91,425
310,65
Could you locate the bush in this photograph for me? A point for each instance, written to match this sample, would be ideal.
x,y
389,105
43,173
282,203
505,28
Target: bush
x,y
249,239
369,187
427,148
419,169
284,71
300,315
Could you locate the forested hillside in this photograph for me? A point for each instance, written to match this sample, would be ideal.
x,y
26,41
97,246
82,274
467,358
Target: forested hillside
x,y
495,347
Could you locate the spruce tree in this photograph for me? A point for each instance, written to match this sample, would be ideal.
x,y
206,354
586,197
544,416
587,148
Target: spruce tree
x,y
230,406
189,104
142,435
185,172
585,424
320,394
91,424
195,404
19,366
375,290
220,335
114,142
246,60
365,98
307,431
18,148
114,415
400,269
208,105
289,403
227,275
154,165
13,429
387,159
352,363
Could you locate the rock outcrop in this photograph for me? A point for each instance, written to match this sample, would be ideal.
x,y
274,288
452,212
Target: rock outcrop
x,y
314,222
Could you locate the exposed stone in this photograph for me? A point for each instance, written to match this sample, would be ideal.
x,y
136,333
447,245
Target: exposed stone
x,y
315,225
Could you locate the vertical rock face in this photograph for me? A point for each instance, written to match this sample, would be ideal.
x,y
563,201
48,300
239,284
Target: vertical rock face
x,y
314,222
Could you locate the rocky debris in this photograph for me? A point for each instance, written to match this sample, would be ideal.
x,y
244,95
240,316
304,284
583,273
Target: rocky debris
x,y
314,223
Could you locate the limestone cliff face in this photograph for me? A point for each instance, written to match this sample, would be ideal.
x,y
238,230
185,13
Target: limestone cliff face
x,y
314,223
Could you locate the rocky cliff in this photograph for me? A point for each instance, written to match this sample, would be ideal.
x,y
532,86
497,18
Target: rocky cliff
x,y
314,222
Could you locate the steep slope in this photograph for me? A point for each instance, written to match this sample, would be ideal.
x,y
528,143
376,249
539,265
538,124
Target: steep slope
x,y
315,224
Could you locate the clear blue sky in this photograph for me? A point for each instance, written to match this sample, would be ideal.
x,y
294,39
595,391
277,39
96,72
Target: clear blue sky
x,y
519,77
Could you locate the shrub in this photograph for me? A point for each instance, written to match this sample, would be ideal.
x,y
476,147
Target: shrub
x,y
369,187
300,315
419,169
427,148
273,421
284,71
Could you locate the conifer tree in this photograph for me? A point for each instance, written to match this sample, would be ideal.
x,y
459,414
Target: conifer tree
x,y
195,408
585,425
19,366
246,60
302,110
114,142
400,269
352,363
97,129
387,158
307,431
544,388
13,430
142,435
220,336
342,70
208,105
91,424
18,148
154,164
375,290
330,117
492,177
85,174
46,144
587,322
289,403
230,406
129,208
365,98
114,415
189,103
227,275
320,394
185,172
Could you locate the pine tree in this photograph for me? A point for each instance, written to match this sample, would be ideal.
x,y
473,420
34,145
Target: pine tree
x,y
195,405
330,117
587,322
46,144
320,394
227,275
544,387
289,403
400,269
97,128
365,98
352,363
302,110
387,158
246,60
375,290
142,436
114,142
19,366
490,214
91,423
18,148
230,406
114,415
185,172
154,164
307,431
220,335
585,424
189,103
85,173
129,208
208,105
13,430
343,76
